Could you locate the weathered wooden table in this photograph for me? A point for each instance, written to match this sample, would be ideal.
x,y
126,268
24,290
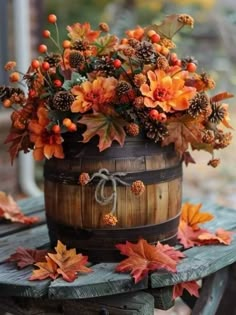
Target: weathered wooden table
x,y
104,291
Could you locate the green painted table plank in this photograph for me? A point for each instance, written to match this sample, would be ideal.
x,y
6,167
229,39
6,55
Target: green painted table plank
x,y
34,237
31,207
101,282
199,262
14,282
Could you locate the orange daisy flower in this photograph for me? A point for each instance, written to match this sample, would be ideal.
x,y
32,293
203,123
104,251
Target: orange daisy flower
x,y
47,144
94,95
168,92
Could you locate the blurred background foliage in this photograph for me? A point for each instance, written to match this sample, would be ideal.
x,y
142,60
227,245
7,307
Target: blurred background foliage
x,y
210,40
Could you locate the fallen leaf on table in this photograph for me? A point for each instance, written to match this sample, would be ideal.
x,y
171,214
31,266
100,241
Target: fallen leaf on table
x,y
69,262
189,229
170,251
64,262
46,270
187,236
220,237
26,256
190,213
191,286
11,211
144,257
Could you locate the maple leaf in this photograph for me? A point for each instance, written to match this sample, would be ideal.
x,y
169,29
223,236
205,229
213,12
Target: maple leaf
x,y
191,286
108,128
182,132
220,237
11,211
25,256
189,230
190,213
19,140
169,27
46,269
221,96
170,251
187,158
187,236
143,258
106,44
69,262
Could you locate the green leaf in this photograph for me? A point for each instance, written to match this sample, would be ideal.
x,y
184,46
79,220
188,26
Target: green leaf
x,y
76,79
108,128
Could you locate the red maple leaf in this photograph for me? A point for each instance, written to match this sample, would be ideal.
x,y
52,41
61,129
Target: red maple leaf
x,y
144,257
26,256
191,286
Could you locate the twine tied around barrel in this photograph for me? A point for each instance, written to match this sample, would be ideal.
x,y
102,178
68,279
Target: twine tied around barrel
x,y
104,177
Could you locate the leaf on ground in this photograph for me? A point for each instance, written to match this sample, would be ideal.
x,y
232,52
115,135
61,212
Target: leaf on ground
x,y
69,263
144,257
191,286
46,270
108,128
11,211
220,237
25,256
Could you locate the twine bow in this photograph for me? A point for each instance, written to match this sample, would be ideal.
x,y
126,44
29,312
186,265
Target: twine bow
x,y
105,177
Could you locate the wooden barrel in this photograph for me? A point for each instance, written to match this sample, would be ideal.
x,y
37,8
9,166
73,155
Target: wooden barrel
x,y
76,218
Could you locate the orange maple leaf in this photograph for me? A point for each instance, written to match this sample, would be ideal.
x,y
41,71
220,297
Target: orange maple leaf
x,y
69,262
189,230
64,262
220,237
191,286
144,257
176,255
190,213
11,211
46,269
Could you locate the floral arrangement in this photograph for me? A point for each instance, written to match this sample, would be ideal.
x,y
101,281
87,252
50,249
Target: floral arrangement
x,y
96,84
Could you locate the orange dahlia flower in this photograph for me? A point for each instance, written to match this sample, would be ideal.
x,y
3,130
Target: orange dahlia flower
x,y
94,95
47,144
168,92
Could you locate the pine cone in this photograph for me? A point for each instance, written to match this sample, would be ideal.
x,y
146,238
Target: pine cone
x,y
217,114
104,65
198,104
75,59
62,101
145,52
7,92
53,59
80,45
